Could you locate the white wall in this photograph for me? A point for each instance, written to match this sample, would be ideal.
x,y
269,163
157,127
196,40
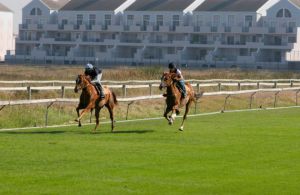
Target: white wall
x,y
6,33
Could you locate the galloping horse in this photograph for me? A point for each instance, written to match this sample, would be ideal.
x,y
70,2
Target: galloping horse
x,y
173,95
89,100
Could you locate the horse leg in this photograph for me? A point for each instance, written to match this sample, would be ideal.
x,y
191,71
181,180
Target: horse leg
x,y
88,108
187,109
97,114
79,122
91,115
169,119
111,114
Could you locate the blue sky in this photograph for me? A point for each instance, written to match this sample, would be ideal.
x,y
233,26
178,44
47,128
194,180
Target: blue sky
x,y
16,6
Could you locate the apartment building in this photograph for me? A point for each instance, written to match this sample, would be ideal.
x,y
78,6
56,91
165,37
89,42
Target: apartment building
x,y
6,31
202,33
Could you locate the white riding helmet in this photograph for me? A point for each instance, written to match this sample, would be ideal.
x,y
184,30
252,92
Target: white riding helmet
x,y
89,66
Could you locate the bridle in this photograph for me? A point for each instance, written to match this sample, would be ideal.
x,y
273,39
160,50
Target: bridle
x,y
79,81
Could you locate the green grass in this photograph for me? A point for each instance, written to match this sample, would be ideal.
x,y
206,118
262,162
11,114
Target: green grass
x,y
232,153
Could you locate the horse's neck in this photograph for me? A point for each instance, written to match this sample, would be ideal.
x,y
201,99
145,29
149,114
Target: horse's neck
x,y
172,89
90,89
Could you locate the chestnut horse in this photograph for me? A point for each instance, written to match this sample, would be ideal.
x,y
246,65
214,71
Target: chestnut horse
x,y
90,99
169,81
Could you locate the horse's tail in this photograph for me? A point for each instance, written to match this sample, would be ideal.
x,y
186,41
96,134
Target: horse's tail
x,y
115,98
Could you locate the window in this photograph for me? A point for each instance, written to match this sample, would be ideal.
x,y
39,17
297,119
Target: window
x,y
64,21
279,13
146,20
216,20
79,19
248,21
199,20
284,13
176,20
92,19
107,20
33,12
231,20
287,13
160,20
27,21
130,19
39,11
292,39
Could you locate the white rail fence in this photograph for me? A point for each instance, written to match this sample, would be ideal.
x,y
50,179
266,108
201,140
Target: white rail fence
x,y
130,101
136,84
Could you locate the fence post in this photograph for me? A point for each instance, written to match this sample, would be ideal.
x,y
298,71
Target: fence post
x,y
258,85
275,84
128,105
150,88
29,92
62,91
239,86
224,107
292,83
297,97
275,99
46,115
251,99
220,86
198,87
196,103
124,91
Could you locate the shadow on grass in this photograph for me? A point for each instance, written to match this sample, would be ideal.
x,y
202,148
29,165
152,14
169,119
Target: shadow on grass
x,y
116,132
31,132
75,132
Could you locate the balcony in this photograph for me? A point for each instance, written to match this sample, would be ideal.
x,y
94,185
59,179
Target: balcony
x,y
258,30
115,28
290,30
69,27
184,29
135,28
47,40
51,27
245,29
272,30
23,26
164,29
214,29
227,29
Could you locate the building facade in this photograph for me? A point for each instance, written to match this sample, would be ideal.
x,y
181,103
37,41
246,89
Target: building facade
x,y
202,33
6,31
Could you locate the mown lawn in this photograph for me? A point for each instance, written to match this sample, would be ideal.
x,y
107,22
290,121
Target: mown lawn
x,y
232,153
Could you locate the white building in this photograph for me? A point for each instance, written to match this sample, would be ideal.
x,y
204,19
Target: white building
x,y
203,33
6,31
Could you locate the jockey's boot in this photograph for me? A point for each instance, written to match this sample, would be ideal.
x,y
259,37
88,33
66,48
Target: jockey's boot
x,y
101,91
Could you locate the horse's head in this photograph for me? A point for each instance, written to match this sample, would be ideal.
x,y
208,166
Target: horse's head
x,y
167,80
81,83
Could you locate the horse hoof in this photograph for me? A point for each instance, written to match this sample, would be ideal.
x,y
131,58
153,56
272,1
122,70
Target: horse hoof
x,y
79,125
181,129
170,123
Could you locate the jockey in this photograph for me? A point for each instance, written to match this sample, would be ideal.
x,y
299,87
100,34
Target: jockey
x,y
96,76
180,83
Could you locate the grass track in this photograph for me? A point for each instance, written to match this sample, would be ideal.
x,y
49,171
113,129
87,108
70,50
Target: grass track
x,y
231,153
